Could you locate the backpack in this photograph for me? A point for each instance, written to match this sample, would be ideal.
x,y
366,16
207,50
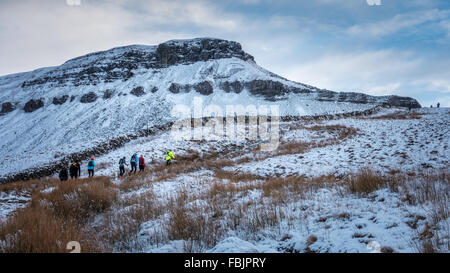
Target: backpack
x,y
91,164
133,158
121,162
141,161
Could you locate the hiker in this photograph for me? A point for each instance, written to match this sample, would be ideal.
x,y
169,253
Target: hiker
x,y
438,105
75,170
169,156
63,174
91,167
133,162
141,163
122,163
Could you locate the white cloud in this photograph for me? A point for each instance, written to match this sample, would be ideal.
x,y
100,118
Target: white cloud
x,y
46,33
355,71
382,72
177,12
250,2
397,23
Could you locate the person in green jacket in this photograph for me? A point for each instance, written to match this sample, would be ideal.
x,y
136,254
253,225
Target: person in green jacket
x,y
169,157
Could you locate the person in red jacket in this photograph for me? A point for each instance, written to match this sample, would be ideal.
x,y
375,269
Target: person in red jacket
x,y
141,163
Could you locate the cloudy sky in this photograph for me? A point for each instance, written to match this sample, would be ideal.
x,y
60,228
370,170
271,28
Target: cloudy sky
x,y
399,47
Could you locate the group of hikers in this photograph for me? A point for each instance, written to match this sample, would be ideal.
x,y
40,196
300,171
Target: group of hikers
x,y
74,170
135,161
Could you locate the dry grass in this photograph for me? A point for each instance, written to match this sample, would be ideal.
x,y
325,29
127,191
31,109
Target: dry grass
x,y
103,216
275,187
57,217
28,186
340,131
425,187
192,224
122,224
396,116
80,199
365,182
236,177
430,241
36,229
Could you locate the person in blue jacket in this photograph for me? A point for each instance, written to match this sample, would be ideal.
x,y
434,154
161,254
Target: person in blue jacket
x,y
133,163
91,167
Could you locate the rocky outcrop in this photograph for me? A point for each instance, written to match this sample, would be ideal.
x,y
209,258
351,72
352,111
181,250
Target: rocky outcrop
x,y
7,107
177,88
354,97
138,91
204,49
108,93
232,87
121,63
89,98
204,88
60,100
402,102
270,90
273,91
33,105
154,89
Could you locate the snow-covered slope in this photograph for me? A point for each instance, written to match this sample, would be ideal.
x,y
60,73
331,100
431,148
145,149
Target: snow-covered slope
x,y
299,198
55,111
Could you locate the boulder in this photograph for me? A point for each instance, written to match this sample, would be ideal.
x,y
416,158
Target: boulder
x,y
60,100
204,88
235,87
7,107
175,88
33,105
403,102
267,88
138,91
88,98
108,93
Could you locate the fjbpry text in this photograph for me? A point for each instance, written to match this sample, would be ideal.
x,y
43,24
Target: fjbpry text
x,y
241,263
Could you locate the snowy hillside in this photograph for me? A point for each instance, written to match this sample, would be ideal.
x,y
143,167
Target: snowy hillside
x,y
372,183
53,112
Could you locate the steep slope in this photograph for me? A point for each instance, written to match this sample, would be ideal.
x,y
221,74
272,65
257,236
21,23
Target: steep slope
x,y
55,111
